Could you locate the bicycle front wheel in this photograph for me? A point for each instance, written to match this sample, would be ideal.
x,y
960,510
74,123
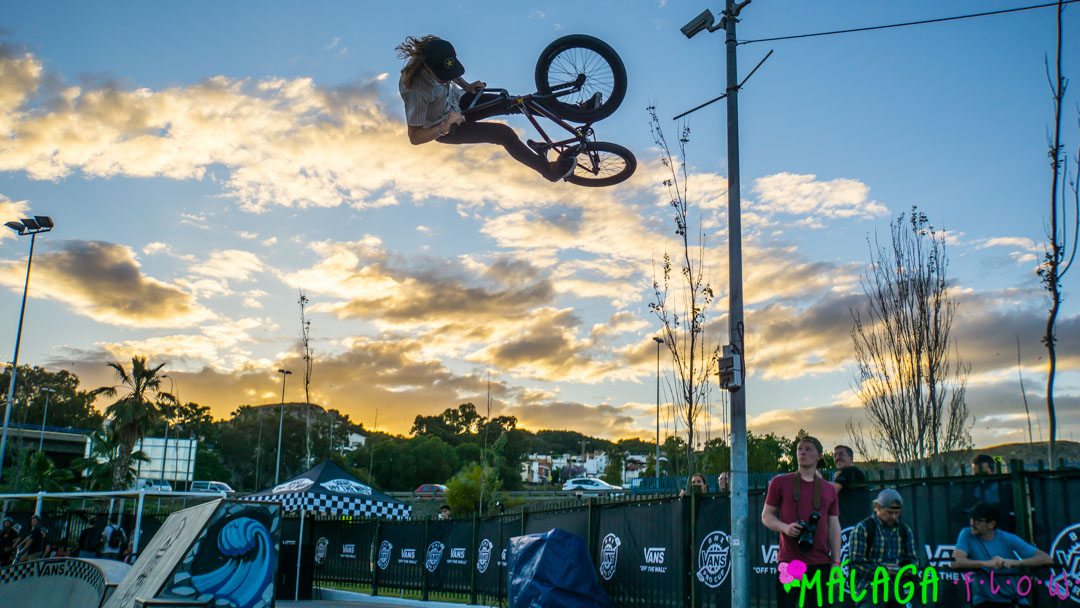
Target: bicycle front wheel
x,y
591,61
601,163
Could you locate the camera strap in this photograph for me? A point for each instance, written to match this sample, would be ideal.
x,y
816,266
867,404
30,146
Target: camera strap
x,y
796,481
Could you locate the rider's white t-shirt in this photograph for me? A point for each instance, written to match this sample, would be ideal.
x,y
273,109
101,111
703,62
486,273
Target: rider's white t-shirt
x,y
429,101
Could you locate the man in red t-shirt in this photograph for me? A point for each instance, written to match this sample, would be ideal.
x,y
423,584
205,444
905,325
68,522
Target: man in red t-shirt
x,y
791,500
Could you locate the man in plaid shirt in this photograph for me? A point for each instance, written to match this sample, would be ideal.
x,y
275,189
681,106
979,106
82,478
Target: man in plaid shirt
x,y
881,541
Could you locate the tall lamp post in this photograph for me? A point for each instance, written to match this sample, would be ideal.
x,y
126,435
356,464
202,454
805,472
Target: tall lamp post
x,y
168,423
280,425
33,227
656,469
44,416
734,352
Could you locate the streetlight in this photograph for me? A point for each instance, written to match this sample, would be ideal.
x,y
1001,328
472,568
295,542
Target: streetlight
x,y
47,391
168,421
280,424
656,469
733,382
39,224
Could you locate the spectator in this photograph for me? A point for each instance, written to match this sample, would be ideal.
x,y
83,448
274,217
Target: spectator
x,y
880,541
444,512
723,482
33,545
983,465
789,504
698,485
128,554
113,540
89,540
9,536
983,549
848,473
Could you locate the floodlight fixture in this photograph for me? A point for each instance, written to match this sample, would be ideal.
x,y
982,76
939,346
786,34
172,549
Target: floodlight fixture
x,y
30,223
44,221
16,226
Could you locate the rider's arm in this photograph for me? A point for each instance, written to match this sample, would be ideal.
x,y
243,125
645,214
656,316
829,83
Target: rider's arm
x,y
961,561
422,135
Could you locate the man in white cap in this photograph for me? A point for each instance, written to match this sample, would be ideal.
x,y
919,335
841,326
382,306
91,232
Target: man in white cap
x,y
881,541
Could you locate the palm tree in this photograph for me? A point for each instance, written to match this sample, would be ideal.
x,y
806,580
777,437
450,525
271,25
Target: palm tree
x,y
132,415
99,466
42,475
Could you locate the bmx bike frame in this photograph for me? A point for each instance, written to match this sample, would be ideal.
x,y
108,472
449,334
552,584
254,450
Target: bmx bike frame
x,y
531,106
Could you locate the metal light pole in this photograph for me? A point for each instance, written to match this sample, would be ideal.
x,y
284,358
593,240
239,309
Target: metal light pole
x,y
735,352
740,505
40,223
656,470
281,421
168,422
44,415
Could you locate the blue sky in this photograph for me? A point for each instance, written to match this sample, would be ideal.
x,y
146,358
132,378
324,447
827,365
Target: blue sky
x,y
204,162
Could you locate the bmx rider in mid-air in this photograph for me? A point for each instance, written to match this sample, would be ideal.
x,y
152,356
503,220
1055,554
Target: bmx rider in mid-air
x,y
433,107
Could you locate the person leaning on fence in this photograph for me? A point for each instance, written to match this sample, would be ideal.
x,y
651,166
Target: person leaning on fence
x,y
985,550
881,541
33,545
113,539
848,473
789,504
698,485
723,482
9,536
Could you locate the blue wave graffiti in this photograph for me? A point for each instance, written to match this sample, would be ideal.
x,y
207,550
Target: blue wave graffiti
x,y
243,579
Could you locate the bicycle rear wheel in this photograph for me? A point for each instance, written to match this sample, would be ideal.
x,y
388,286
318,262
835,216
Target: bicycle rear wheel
x,y
602,163
581,57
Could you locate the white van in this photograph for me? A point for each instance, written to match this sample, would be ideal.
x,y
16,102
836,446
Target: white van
x,y
152,485
211,486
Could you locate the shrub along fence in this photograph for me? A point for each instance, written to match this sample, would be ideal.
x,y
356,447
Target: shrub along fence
x,y
669,551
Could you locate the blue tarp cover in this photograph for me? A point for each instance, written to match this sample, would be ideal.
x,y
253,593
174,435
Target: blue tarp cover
x,y
553,570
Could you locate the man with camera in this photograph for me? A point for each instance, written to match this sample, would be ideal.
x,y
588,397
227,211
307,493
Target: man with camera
x,y
803,509
881,541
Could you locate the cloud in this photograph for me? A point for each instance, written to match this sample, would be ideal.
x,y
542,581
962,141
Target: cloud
x,y
231,264
104,282
281,142
806,195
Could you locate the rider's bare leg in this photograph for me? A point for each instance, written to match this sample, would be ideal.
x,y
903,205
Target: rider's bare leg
x,y
497,133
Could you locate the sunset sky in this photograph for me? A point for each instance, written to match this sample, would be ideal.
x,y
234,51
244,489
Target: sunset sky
x,y
205,162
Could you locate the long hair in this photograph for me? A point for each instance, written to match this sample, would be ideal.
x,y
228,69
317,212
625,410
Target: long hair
x,y
412,51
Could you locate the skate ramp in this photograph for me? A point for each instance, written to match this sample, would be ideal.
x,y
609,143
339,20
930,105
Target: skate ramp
x,y
69,582
221,553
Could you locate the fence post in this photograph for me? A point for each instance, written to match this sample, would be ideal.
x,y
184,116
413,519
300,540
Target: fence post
x,y
692,596
473,558
377,546
594,527
1020,502
37,507
424,572
138,523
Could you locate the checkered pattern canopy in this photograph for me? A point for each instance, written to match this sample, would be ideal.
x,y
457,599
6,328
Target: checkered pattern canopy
x,y
328,490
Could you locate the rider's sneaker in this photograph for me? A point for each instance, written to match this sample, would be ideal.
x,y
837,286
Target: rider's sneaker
x,y
537,146
563,168
592,103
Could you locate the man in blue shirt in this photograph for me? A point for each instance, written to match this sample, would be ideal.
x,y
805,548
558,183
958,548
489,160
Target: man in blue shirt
x,y
993,555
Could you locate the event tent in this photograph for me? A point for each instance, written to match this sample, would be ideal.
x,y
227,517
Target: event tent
x,y
328,490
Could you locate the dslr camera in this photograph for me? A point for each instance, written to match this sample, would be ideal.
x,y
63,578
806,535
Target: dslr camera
x,y
809,529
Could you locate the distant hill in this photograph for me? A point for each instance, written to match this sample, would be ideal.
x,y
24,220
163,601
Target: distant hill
x,y
1032,452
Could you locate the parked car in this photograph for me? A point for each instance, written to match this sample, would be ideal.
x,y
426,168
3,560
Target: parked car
x,y
152,485
211,486
430,490
591,485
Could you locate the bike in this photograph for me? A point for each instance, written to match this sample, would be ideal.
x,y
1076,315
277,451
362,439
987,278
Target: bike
x,y
579,79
